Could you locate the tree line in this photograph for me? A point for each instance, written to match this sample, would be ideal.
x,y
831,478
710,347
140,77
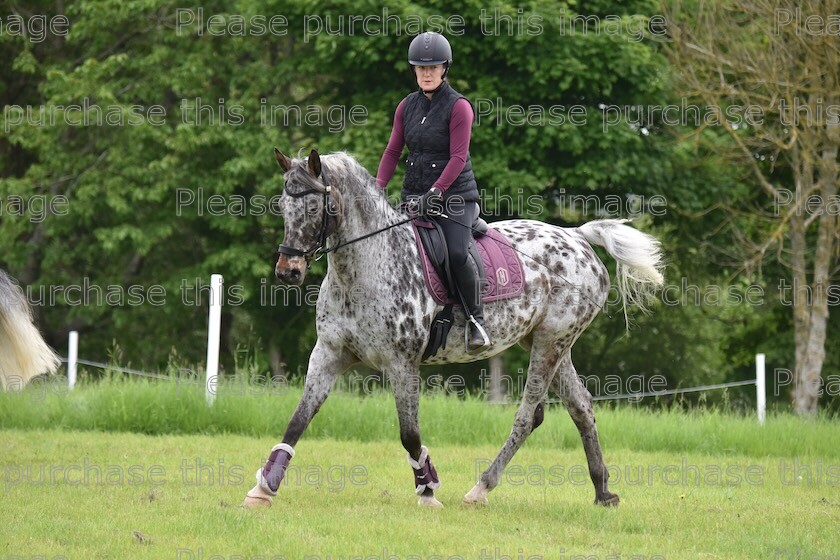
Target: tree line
x,y
137,159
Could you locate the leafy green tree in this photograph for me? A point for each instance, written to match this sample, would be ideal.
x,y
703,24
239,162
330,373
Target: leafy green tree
x,y
162,205
778,83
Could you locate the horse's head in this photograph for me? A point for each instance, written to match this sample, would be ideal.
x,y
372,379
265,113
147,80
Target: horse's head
x,y
311,213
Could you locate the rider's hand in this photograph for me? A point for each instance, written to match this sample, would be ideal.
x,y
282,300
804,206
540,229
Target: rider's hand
x,y
429,204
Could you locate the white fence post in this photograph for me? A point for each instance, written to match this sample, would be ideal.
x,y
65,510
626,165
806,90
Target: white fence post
x,y
760,389
213,333
72,358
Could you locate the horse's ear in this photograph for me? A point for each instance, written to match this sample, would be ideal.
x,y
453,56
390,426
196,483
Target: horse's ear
x,y
284,162
314,163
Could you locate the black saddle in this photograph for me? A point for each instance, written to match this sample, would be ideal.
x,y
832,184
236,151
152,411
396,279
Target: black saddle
x,y
434,243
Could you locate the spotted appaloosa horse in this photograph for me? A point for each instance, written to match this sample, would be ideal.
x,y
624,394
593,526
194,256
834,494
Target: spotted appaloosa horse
x,y
23,352
374,308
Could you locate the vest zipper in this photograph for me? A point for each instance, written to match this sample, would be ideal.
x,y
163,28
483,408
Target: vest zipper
x,y
423,167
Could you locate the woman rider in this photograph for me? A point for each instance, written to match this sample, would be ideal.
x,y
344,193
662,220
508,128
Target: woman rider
x,y
435,123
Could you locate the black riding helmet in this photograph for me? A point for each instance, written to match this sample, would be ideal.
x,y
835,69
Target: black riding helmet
x,y
430,48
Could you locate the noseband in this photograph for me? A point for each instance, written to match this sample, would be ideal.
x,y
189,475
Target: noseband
x,y
315,252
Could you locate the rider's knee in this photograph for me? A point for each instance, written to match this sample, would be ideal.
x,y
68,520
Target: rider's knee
x,y
458,255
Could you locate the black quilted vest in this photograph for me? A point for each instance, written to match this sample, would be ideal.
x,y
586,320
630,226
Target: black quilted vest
x,y
426,133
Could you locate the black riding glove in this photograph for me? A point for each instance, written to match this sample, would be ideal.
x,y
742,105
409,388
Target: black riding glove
x,y
429,204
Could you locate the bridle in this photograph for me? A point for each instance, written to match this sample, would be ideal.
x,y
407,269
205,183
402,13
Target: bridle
x,y
317,251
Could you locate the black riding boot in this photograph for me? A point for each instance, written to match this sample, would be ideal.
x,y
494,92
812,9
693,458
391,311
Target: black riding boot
x,y
469,284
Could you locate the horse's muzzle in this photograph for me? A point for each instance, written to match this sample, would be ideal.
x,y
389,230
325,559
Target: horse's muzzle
x,y
290,270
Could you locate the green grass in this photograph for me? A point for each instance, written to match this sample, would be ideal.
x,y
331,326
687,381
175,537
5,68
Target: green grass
x,y
166,473
156,408
350,499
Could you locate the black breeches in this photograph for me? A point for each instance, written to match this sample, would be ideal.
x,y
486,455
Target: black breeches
x,y
457,231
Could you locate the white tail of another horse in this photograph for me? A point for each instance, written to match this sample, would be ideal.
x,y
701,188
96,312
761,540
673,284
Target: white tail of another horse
x,y
639,258
23,352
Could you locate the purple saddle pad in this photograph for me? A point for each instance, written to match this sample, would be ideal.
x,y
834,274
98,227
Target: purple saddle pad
x,y
502,269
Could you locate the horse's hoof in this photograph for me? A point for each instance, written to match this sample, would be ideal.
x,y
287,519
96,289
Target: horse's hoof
x,y
256,498
429,501
476,496
607,500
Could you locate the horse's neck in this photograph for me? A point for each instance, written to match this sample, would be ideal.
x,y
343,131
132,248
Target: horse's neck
x,y
366,210
365,213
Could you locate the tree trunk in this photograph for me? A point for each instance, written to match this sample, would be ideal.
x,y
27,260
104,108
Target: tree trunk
x,y
808,380
803,399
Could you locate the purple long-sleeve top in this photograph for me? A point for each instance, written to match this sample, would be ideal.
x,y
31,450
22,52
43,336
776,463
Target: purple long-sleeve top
x,y
460,128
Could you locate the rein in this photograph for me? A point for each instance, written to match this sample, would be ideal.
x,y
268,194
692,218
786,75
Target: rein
x,y
365,236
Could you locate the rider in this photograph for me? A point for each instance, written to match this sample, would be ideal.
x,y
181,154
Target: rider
x,y
435,122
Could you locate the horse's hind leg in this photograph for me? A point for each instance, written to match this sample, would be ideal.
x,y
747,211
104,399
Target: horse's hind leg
x,y
405,381
578,402
545,358
325,365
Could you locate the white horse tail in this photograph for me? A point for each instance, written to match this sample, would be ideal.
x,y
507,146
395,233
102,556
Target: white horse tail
x,y
639,258
23,352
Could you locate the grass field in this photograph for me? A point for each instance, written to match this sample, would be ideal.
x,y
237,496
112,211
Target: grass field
x,y
158,408
696,485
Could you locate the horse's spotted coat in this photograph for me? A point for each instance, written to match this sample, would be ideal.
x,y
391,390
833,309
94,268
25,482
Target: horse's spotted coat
x,y
374,308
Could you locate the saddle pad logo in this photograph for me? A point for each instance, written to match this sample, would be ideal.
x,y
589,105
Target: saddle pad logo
x,y
502,277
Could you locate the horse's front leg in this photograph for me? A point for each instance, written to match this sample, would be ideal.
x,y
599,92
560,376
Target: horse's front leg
x,y
326,363
405,379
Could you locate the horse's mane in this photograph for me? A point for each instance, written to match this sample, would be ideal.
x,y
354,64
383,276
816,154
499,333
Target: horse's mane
x,y
342,169
353,182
